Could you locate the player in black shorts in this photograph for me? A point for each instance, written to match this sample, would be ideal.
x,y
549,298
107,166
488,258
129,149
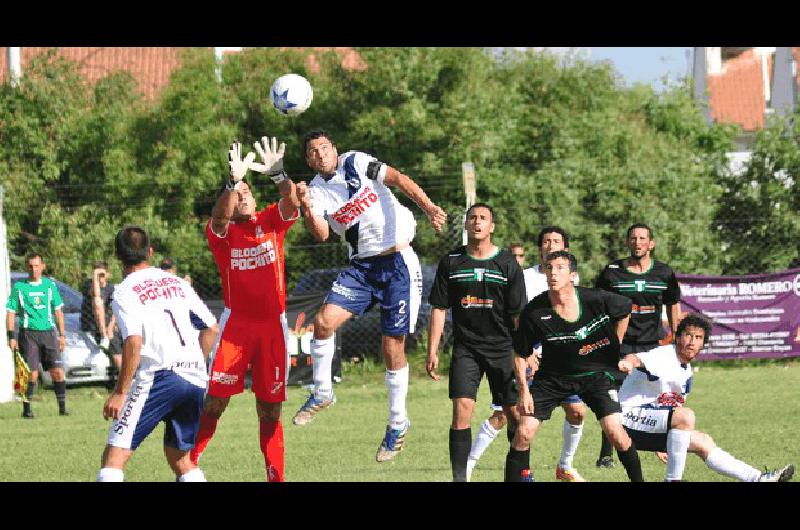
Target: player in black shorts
x,y
651,285
484,288
580,330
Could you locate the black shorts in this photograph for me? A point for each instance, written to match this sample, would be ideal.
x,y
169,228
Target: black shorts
x,y
467,369
596,390
40,347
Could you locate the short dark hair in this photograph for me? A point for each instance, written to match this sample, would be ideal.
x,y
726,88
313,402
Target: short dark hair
x,y
100,264
132,245
573,261
695,320
33,255
313,135
480,205
639,225
549,230
515,245
166,264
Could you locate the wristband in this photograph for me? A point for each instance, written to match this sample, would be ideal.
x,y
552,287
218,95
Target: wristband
x,y
279,177
232,186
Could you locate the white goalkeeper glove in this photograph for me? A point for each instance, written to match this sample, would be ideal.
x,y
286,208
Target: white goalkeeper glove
x,y
271,158
238,167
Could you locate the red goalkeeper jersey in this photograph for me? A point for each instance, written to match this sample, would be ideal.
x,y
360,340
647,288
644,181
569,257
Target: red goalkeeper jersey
x,y
250,261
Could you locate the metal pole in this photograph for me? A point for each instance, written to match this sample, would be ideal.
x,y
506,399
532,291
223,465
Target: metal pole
x,y
14,66
699,79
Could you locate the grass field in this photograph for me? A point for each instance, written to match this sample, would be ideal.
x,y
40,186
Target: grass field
x,y
750,411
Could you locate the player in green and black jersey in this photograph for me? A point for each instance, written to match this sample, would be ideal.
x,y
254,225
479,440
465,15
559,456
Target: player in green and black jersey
x,y
38,303
580,331
651,285
484,288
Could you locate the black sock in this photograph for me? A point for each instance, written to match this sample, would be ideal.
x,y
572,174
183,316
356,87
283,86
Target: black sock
x,y
60,388
29,394
460,444
606,449
516,462
630,459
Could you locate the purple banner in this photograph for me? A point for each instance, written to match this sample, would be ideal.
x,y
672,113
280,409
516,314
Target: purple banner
x,y
755,316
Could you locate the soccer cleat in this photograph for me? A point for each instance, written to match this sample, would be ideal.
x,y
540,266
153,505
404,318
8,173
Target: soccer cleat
x,y
568,475
64,412
392,443
28,414
311,407
605,461
783,474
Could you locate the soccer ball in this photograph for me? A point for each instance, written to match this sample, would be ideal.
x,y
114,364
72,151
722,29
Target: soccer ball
x,y
291,94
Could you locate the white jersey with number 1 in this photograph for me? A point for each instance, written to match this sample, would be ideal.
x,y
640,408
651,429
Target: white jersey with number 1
x,y
167,313
360,208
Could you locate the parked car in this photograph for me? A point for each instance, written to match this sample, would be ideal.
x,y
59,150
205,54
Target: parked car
x,y
84,361
361,335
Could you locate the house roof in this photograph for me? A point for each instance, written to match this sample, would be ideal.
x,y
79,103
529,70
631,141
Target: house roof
x,y
151,67
736,94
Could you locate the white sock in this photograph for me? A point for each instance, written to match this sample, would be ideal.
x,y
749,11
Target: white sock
x,y
726,464
677,445
485,437
195,475
322,351
397,385
572,437
110,474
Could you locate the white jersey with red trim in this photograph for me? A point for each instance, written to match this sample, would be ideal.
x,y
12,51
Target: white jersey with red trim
x,y
167,313
360,208
662,381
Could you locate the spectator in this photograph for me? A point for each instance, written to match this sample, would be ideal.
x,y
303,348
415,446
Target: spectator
x,y
168,264
97,318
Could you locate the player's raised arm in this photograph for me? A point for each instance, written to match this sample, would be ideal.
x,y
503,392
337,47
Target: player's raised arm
x,y
412,190
223,210
271,155
316,224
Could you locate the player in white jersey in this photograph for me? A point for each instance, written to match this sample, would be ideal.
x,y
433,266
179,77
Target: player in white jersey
x,y
550,239
163,374
350,195
652,400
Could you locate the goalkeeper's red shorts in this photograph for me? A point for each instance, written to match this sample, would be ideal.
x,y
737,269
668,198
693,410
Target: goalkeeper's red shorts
x,y
258,345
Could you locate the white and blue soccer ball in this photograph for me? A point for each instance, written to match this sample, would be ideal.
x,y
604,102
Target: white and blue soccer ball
x,y
291,94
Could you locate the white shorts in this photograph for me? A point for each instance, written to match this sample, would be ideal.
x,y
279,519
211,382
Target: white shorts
x,y
648,426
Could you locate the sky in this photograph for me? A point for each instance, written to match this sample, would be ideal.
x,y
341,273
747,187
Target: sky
x,y
640,64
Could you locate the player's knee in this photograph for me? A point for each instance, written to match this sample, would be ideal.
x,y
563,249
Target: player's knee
x,y
683,418
214,407
574,413
498,420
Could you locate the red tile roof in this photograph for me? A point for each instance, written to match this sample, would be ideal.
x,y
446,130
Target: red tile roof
x,y
736,95
151,67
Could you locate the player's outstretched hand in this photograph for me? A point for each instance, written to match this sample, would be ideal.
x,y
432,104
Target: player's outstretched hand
x,y
238,167
271,158
438,218
432,365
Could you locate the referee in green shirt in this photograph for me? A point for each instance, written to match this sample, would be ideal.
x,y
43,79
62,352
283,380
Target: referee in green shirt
x,y
38,303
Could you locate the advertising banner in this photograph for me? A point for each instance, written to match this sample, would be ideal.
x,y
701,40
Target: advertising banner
x,y
755,316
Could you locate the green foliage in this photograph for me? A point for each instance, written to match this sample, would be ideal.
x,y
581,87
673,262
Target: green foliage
x,y
758,212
